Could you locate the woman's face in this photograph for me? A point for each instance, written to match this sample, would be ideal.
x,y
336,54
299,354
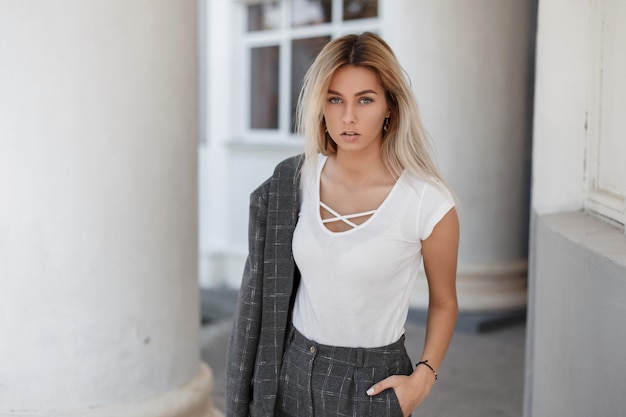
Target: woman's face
x,y
355,109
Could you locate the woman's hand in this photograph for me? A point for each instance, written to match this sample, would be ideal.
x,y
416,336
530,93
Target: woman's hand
x,y
410,390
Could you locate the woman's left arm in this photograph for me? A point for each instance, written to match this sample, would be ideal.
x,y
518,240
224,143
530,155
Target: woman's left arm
x,y
439,251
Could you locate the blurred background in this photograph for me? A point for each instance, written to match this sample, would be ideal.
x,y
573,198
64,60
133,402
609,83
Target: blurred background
x,y
132,133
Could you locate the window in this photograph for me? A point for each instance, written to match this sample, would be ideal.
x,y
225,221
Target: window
x,y
281,39
606,128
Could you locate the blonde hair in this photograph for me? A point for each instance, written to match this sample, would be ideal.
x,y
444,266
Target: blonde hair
x,y
405,144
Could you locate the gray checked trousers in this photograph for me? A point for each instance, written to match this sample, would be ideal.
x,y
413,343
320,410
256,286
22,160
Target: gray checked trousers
x,y
329,381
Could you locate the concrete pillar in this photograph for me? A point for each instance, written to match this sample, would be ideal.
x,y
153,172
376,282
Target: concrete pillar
x,y
98,210
469,66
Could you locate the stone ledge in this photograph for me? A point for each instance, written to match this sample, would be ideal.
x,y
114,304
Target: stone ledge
x,y
599,237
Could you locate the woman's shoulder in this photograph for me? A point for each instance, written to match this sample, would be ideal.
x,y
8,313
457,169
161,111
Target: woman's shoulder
x,y
432,200
429,188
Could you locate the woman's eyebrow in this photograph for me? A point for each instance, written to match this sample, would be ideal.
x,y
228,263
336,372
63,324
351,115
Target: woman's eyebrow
x,y
360,93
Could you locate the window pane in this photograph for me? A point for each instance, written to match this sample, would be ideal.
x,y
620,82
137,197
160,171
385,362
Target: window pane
x,y
264,86
359,9
310,12
264,16
303,53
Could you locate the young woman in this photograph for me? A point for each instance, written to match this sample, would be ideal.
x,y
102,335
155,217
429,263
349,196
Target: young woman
x,y
336,240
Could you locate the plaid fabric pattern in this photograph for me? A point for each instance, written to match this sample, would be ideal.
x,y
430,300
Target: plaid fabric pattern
x,y
328,381
265,298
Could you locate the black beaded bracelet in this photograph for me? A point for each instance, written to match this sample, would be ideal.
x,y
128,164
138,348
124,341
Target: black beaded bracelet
x,y
431,368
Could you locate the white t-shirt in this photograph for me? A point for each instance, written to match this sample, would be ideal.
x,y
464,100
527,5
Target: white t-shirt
x,y
356,284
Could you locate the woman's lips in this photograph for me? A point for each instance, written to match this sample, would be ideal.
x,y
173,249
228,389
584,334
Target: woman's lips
x,y
350,136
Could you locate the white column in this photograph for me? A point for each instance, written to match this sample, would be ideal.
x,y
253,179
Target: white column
x,y
98,210
468,62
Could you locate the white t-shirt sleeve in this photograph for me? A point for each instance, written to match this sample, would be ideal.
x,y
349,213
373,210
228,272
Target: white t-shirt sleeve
x,y
435,203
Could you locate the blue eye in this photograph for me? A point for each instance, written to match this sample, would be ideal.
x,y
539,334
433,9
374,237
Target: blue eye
x,y
366,100
334,100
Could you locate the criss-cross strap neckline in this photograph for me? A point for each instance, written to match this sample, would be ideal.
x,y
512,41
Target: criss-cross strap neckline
x,y
344,218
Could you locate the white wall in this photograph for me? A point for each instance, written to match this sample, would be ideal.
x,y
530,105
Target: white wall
x,y
560,105
232,165
218,28
576,337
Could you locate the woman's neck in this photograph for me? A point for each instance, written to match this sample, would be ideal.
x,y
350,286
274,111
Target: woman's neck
x,y
361,167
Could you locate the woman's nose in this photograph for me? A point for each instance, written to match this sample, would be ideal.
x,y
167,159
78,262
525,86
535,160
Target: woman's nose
x,y
348,114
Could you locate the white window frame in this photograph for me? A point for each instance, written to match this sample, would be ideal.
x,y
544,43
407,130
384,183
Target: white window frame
x,y
283,37
609,204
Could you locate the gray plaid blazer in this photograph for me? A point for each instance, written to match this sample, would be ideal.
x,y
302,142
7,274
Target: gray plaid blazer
x,y
269,283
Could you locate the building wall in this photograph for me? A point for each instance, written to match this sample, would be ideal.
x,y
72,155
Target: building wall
x,y
577,337
577,276
231,166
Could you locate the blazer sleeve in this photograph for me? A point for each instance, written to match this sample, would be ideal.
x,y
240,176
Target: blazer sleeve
x,y
247,326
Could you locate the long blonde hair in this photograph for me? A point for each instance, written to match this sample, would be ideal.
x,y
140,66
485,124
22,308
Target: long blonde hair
x,y
405,144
